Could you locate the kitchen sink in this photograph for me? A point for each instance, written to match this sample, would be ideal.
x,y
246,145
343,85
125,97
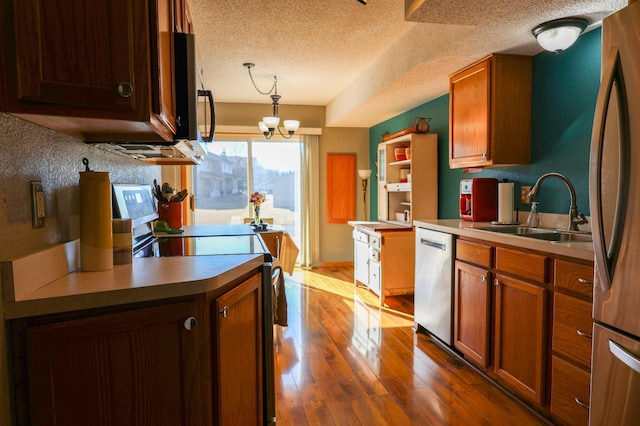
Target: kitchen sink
x,y
542,234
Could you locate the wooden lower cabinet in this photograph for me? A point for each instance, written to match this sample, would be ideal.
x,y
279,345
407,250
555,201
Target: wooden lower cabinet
x,y
190,361
520,336
569,392
472,311
237,354
133,367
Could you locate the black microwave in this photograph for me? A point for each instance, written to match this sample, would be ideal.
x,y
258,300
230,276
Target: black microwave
x,y
189,93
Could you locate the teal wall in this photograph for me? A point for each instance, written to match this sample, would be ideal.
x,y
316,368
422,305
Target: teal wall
x,y
565,88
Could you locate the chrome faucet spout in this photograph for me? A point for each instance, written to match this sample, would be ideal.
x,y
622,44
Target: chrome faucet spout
x,y
575,218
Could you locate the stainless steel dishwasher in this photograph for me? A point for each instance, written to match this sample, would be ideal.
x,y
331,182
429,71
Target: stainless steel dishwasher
x,y
433,299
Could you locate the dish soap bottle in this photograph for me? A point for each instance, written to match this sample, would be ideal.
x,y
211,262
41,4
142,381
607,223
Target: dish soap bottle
x,y
534,219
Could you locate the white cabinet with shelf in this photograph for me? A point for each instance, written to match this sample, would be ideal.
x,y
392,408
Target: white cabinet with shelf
x,y
417,197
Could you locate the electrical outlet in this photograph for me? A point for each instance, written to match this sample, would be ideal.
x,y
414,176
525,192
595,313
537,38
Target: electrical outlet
x,y
524,195
37,204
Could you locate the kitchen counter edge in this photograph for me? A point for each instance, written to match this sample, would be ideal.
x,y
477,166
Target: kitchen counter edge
x,y
581,250
146,279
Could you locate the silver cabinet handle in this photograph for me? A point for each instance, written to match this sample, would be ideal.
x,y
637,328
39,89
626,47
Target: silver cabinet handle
x,y
483,278
225,312
583,334
585,281
496,282
484,155
625,356
190,323
580,403
125,89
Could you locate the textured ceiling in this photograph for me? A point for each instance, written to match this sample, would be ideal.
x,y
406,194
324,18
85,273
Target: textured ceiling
x,y
364,63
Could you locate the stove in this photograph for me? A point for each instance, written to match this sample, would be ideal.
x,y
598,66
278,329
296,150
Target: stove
x,y
203,246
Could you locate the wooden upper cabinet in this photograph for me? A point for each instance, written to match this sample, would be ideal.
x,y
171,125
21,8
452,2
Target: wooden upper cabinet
x,y
93,69
490,113
163,74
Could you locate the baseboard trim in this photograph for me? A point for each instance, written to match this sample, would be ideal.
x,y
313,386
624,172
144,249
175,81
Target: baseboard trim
x,y
335,264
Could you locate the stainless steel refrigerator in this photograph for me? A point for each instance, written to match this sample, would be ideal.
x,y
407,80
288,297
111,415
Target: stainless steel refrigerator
x,y
614,186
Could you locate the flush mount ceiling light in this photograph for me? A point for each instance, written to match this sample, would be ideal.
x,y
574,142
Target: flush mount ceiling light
x,y
268,125
560,34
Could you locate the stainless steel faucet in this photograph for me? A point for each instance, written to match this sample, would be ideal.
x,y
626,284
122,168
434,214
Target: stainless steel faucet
x,y
575,218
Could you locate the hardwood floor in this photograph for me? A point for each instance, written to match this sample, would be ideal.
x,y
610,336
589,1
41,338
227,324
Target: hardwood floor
x,y
345,361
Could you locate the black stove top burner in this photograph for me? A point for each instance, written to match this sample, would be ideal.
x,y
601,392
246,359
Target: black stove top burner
x,y
202,246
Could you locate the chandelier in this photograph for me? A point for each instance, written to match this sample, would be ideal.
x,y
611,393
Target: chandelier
x,y
268,125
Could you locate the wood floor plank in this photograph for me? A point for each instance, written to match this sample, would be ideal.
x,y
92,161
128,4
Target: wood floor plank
x,y
345,360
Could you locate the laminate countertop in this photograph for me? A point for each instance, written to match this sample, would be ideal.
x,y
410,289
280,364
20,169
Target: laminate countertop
x,y
577,250
43,283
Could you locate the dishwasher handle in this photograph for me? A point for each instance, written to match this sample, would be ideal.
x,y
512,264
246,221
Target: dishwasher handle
x,y
434,244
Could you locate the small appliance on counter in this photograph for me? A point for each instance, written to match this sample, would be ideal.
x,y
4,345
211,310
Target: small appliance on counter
x,y
479,199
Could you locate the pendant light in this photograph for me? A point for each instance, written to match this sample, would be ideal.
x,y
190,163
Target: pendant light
x,y
269,124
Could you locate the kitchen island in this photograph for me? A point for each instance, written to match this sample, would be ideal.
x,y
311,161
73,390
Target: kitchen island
x,y
159,340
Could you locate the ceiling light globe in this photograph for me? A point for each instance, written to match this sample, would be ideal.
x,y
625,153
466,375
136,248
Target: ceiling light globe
x,y
271,122
291,125
263,127
556,36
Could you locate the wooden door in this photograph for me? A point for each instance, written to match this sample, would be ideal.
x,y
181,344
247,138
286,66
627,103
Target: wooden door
x,y
238,355
469,111
128,368
520,330
341,188
472,315
84,55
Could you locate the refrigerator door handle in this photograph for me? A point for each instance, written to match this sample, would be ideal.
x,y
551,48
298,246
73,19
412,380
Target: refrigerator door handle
x,y
625,356
605,259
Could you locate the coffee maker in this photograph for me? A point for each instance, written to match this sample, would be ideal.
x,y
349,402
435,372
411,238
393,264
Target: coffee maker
x,y
479,199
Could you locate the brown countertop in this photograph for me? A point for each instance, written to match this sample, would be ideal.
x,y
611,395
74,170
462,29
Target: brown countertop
x,y
578,250
145,279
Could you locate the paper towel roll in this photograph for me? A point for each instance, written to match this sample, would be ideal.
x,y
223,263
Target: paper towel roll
x,y
505,202
96,238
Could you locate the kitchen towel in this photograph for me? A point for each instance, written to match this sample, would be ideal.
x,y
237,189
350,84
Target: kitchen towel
x,y
505,202
96,238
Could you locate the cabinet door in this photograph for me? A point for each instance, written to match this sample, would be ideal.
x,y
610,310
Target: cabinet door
x,y
238,355
361,262
135,367
569,393
472,317
520,330
469,111
79,54
375,278
162,53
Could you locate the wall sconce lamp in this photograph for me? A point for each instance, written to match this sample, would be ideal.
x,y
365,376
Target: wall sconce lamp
x,y
364,176
560,34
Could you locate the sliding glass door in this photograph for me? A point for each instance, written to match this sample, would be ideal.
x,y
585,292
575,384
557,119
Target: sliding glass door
x,y
235,167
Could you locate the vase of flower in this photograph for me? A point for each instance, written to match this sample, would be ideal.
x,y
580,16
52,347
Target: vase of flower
x,y
256,214
256,199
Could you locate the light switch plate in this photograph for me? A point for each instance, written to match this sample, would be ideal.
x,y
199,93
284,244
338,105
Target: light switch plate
x,y
37,204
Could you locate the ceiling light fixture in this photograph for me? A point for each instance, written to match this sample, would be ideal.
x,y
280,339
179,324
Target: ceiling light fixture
x,y
268,125
560,34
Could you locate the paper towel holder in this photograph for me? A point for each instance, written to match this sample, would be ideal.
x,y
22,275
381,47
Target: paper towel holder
x,y
510,214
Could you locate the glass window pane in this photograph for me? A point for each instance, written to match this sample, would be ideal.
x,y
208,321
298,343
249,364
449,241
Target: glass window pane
x,y
220,184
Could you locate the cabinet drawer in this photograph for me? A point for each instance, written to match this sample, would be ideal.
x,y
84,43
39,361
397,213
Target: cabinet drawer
x,y
476,253
568,384
526,265
575,277
399,187
572,328
375,242
360,236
